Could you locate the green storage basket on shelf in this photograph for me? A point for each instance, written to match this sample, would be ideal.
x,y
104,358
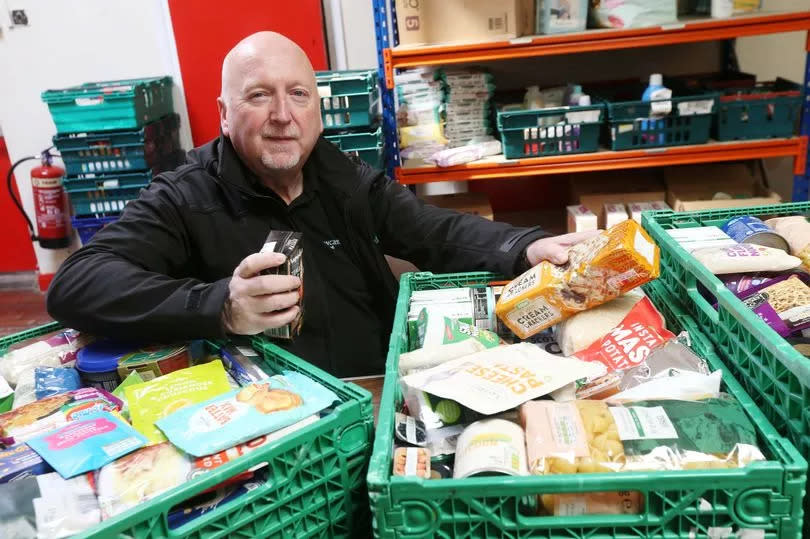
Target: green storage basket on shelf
x,y
147,148
766,110
681,120
551,131
101,106
349,99
764,496
366,146
316,476
105,195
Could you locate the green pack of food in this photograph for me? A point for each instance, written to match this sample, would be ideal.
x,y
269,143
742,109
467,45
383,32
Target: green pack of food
x,y
166,394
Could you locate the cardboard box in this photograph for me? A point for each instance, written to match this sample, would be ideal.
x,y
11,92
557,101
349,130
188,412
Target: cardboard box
x,y
724,185
635,209
474,203
427,22
594,190
614,214
581,218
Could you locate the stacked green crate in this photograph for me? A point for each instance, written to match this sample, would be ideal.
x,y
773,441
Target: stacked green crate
x,y
113,136
349,109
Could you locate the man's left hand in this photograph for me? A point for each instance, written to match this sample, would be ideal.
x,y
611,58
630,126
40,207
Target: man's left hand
x,y
555,248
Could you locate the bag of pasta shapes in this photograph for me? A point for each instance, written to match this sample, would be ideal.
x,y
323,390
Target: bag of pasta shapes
x,y
591,436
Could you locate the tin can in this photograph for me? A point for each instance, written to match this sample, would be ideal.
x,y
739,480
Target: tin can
x,y
491,447
749,229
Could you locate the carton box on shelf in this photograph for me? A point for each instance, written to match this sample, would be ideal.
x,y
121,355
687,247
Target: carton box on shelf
x,y
716,186
474,203
427,22
614,214
580,218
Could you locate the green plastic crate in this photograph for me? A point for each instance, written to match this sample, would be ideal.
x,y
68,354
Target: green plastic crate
x,y
551,131
766,110
100,106
112,152
107,195
349,99
765,496
366,146
776,375
631,128
316,482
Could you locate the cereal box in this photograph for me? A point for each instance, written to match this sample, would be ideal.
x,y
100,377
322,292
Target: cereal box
x,y
597,271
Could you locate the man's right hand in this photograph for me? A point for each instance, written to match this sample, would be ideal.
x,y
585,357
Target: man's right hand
x,y
257,302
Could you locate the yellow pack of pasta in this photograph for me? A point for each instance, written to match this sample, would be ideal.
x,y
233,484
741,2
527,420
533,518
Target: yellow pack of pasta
x,y
598,270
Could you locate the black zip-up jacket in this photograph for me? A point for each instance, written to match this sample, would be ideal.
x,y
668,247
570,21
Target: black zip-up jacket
x,y
161,272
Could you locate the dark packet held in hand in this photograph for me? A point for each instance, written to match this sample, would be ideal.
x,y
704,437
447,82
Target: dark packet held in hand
x,y
290,245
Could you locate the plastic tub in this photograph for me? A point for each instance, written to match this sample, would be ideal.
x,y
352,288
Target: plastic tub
x,y
97,363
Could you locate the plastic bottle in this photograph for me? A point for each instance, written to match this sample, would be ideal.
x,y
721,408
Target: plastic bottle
x,y
533,98
656,84
655,90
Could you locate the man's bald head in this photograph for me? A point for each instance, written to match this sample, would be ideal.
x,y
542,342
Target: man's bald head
x,y
256,46
269,106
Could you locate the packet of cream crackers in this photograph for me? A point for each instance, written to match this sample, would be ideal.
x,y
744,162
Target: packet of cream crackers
x,y
243,414
598,270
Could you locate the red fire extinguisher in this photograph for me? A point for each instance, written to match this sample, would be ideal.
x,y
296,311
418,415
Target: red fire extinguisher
x,y
49,203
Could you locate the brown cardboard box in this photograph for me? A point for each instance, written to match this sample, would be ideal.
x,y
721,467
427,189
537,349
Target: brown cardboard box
x,y
594,190
474,203
694,187
426,22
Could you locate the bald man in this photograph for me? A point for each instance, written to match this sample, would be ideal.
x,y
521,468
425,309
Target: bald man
x,y
181,262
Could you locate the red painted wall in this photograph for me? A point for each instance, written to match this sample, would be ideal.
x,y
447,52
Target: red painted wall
x,y
206,30
18,252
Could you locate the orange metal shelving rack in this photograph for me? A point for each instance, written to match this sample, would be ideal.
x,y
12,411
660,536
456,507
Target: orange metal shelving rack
x,y
686,31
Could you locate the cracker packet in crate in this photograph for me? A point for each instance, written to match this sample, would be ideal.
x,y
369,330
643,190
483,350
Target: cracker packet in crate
x,y
598,270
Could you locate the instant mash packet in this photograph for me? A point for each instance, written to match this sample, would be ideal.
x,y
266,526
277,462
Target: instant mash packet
x,y
498,379
243,414
598,270
161,396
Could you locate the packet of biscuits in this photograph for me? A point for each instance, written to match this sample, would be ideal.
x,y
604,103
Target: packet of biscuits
x,y
243,414
598,270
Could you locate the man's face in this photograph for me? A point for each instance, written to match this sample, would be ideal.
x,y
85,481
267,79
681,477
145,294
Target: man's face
x,y
271,112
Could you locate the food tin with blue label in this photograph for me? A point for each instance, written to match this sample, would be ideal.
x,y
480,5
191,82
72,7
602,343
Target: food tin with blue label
x,y
749,229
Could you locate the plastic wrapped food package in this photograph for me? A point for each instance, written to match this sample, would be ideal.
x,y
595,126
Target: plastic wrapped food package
x,y
139,477
598,270
241,415
745,258
59,350
166,394
500,378
583,329
644,435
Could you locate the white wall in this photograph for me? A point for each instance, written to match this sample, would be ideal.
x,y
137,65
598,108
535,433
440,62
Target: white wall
x,y
69,43
350,34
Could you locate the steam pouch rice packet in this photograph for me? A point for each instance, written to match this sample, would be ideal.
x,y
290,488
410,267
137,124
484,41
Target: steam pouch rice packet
x,y
161,396
88,444
244,414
